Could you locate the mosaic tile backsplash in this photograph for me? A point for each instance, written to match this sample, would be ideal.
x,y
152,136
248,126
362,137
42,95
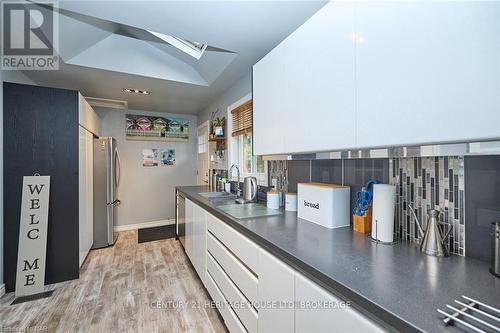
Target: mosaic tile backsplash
x,y
429,183
424,182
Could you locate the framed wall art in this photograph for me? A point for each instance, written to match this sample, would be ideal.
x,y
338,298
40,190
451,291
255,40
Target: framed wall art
x,y
152,128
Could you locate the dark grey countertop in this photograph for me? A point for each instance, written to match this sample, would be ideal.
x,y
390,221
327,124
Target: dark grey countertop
x,y
394,283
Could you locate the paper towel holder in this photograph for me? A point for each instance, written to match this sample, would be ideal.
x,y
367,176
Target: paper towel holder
x,y
377,241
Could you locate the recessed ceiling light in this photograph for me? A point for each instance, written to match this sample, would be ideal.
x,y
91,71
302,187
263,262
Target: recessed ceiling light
x,y
136,91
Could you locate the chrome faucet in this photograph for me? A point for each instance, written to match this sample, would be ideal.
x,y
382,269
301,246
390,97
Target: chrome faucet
x,y
238,192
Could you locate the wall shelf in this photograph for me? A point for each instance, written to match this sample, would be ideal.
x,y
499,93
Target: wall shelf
x,y
218,139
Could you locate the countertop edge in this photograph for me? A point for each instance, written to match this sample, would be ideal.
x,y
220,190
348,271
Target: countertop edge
x,y
365,305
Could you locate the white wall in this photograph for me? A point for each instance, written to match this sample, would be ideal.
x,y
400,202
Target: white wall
x,y
240,88
147,193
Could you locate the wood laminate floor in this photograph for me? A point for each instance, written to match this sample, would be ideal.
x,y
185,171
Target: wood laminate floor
x,y
118,291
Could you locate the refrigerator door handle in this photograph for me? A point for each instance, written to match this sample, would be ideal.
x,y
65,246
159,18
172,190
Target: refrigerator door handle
x,y
117,168
115,203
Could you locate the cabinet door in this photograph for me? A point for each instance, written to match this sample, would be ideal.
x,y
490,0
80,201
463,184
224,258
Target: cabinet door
x,y
427,72
319,311
189,240
319,82
200,241
86,193
276,284
89,229
269,107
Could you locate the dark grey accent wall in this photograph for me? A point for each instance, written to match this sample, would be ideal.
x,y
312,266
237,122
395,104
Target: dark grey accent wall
x,y
482,203
356,173
326,171
436,181
298,172
41,136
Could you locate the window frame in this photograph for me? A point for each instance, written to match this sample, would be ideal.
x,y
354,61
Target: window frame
x,y
261,176
236,149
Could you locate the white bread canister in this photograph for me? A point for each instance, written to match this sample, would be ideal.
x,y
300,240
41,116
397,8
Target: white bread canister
x,y
384,201
273,199
325,204
291,202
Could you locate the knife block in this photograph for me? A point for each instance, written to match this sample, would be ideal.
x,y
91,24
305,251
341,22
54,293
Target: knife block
x,y
363,224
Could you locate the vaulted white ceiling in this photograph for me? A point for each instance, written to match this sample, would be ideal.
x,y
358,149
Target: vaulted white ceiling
x,y
105,46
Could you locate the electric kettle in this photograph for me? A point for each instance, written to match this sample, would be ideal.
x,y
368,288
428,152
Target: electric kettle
x,y
249,190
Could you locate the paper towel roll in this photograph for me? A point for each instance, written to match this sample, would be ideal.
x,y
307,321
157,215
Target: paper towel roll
x,y
384,197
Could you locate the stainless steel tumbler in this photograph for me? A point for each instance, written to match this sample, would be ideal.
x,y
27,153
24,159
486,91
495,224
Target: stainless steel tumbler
x,y
495,249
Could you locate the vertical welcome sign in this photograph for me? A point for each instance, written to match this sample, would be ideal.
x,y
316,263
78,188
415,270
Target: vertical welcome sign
x,y
30,277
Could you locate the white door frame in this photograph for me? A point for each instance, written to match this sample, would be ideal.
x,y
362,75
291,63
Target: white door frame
x,y
207,124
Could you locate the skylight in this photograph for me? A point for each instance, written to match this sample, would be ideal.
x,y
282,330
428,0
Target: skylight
x,y
194,49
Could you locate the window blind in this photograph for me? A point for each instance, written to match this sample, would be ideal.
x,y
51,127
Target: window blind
x,y
242,118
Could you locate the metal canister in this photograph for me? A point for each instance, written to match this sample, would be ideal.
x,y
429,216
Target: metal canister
x,y
495,249
215,181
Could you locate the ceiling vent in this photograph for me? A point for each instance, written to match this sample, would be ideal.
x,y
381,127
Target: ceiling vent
x,y
107,103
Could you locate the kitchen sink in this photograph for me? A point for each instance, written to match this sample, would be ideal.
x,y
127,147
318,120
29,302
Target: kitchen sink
x,y
211,195
248,210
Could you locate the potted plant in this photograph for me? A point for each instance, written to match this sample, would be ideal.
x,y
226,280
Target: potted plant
x,y
218,126
211,124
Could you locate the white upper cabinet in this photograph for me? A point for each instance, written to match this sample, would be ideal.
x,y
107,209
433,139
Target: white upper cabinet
x,y
319,82
303,90
269,113
427,72
381,74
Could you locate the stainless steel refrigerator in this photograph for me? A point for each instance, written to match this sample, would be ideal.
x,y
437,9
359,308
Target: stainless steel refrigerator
x,y
106,181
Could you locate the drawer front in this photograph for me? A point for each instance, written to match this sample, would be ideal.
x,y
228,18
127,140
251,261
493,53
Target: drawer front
x,y
327,319
246,250
276,283
241,306
232,322
245,280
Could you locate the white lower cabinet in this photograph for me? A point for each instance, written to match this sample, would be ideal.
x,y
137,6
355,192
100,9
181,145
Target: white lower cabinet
x,y
189,231
318,311
241,246
276,295
260,292
196,237
243,309
232,322
246,281
200,241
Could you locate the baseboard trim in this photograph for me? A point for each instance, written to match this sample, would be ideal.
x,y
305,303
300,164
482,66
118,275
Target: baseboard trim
x,y
143,225
2,289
